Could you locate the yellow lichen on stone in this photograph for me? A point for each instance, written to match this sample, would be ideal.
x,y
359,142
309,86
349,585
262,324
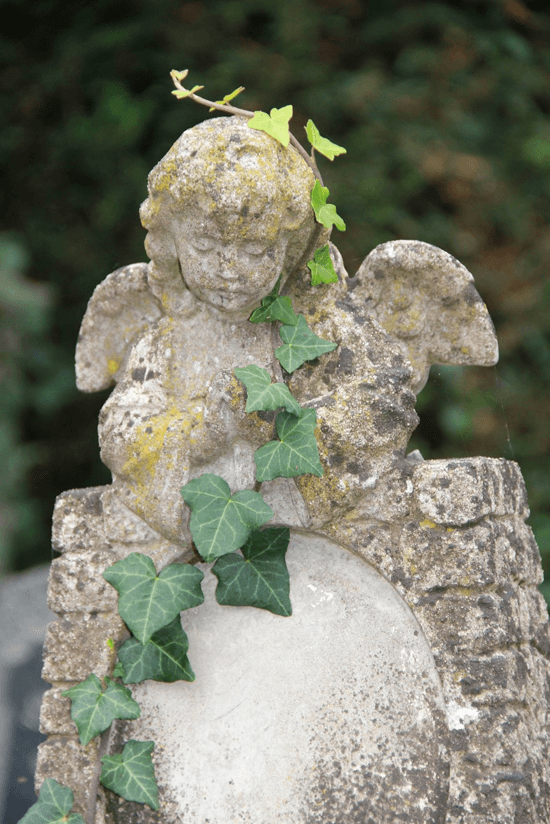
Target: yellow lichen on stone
x,y
427,524
112,365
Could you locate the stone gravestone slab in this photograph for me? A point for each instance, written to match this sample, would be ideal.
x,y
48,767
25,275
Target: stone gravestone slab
x,y
335,714
412,681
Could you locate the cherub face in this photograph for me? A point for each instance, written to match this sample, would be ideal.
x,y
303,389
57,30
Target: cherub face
x,y
230,269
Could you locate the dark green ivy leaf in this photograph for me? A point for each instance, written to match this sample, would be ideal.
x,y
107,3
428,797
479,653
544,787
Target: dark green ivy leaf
x,y
93,710
162,658
221,522
322,268
258,577
118,671
264,395
300,345
131,774
147,602
277,307
296,451
53,806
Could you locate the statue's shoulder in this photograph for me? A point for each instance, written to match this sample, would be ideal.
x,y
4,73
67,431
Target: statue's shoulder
x,y
121,308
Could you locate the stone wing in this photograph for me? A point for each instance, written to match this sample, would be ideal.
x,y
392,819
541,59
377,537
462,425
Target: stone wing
x,y
121,308
426,300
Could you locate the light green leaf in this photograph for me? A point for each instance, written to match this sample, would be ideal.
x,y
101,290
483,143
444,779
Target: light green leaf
x,y
275,123
93,710
325,212
228,98
131,774
264,395
162,658
176,75
322,268
296,451
322,144
181,93
147,602
276,307
53,806
300,345
221,522
258,577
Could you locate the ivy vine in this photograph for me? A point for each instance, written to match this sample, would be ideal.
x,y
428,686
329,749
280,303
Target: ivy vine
x,y
249,562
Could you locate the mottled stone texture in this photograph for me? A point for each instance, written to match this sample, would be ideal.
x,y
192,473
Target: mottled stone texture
x,y
471,580
228,214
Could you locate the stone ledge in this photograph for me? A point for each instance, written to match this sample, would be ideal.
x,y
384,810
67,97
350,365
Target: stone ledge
x,y
78,521
76,645
480,622
76,582
464,490
55,712
491,553
71,764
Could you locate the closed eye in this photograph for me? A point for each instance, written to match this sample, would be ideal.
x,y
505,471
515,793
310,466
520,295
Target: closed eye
x,y
253,248
204,243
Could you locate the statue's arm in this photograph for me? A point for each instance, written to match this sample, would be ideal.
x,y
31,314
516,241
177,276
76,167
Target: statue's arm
x,y
121,308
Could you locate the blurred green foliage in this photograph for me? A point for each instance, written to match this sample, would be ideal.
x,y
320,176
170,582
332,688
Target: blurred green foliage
x,y
443,108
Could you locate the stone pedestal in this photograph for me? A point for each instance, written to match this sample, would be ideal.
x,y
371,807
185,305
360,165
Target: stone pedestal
x,y
423,673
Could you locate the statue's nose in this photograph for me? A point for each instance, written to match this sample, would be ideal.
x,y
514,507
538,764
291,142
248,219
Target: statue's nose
x,y
229,266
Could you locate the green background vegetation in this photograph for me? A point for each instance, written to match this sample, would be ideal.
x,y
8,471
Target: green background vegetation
x,y
443,108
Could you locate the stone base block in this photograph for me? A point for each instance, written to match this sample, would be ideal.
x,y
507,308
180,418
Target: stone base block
x,y
76,645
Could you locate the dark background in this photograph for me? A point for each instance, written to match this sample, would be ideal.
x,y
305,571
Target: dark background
x,y
443,108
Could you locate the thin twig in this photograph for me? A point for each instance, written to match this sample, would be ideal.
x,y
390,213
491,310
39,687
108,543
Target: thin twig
x,y
228,109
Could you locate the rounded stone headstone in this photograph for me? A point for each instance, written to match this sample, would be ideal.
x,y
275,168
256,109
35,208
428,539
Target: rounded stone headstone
x,y
334,714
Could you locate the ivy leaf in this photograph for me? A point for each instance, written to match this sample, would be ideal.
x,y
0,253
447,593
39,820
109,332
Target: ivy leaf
x,y
147,602
93,710
275,307
264,395
176,75
325,212
228,97
162,658
300,345
181,93
260,578
275,123
322,268
53,806
131,774
322,144
221,522
295,453
118,671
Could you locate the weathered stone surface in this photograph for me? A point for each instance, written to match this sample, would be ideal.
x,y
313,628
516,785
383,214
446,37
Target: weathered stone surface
x,y
490,553
460,492
77,583
76,645
107,333
55,713
334,714
78,521
427,301
72,765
